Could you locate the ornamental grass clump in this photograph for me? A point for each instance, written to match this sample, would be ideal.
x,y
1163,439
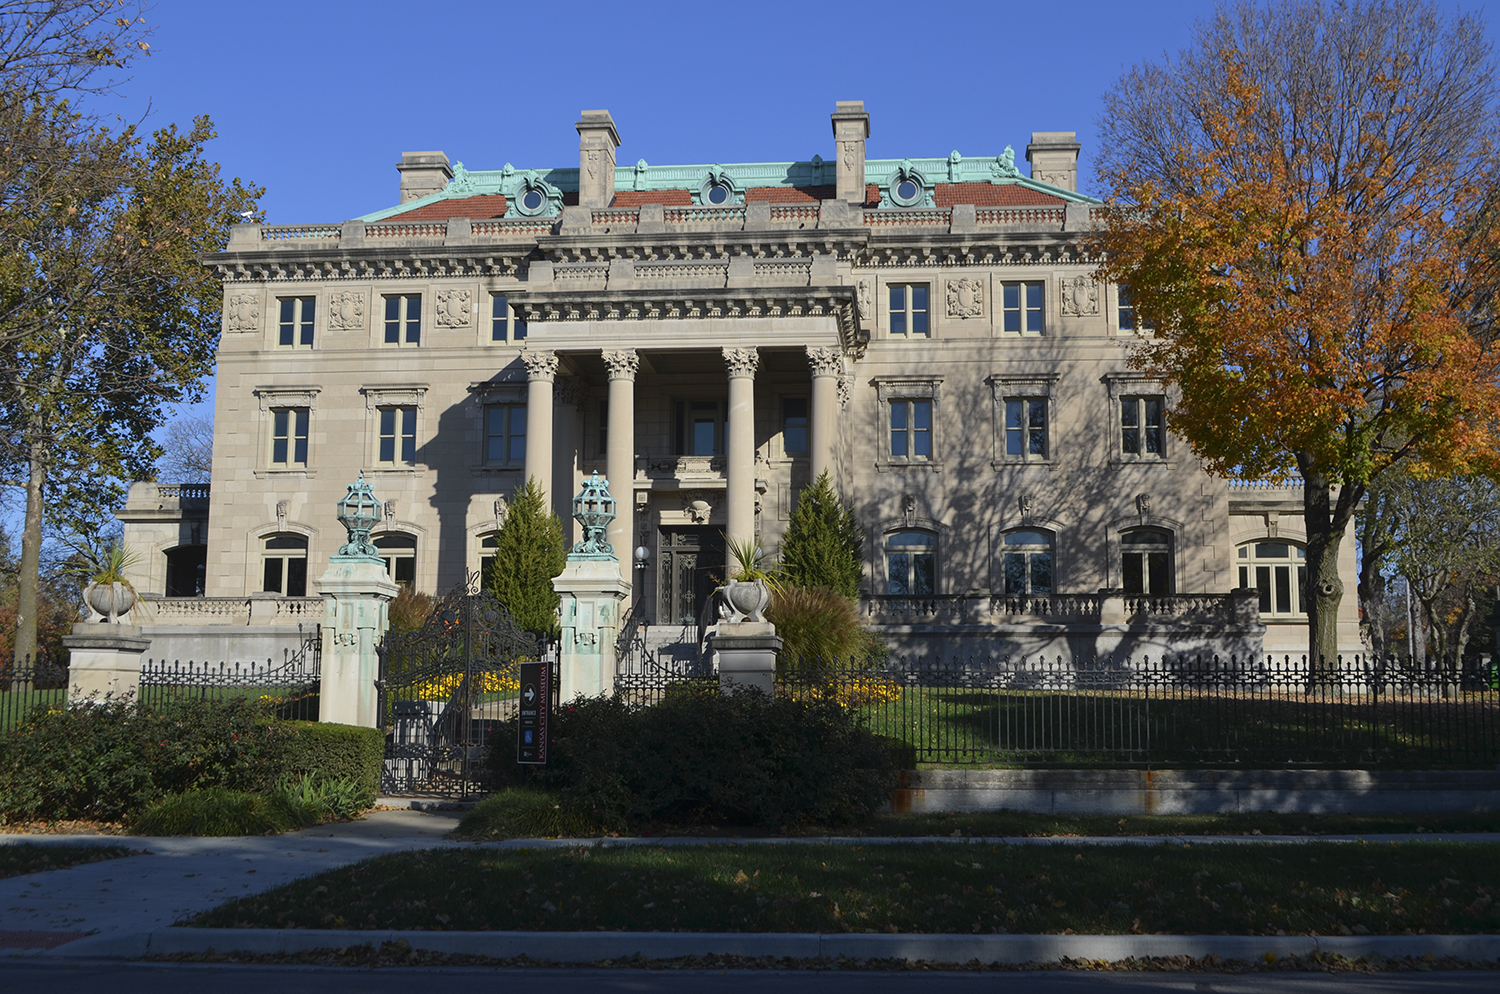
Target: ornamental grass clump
x,y
526,813
219,811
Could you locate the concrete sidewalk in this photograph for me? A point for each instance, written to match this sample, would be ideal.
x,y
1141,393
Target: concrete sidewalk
x,y
173,878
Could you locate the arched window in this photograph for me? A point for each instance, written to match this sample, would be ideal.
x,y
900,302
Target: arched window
x,y
1278,570
1146,561
1028,562
284,565
487,546
400,554
911,562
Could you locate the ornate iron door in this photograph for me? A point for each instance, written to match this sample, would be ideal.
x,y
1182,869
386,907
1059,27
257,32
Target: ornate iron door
x,y
446,689
692,565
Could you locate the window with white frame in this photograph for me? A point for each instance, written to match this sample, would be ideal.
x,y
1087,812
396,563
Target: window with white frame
x,y
489,547
398,435
1026,562
399,553
1022,307
403,319
284,565
289,427
1143,426
1146,561
910,423
1126,315
505,434
294,329
911,429
504,325
908,311
1026,428
1278,572
911,562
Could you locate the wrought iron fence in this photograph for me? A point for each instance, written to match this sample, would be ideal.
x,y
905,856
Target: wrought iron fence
x,y
27,684
1356,712
289,688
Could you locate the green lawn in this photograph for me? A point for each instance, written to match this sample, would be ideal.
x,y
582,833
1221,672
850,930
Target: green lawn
x,y
27,857
1322,888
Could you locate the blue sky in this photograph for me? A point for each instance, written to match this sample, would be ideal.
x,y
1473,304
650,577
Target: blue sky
x,y
317,99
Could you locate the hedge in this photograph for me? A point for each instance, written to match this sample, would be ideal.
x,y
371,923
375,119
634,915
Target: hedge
x,y
330,752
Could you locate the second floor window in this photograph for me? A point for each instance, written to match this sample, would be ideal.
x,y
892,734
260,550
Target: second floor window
x,y
794,425
398,435
295,328
700,427
911,429
909,309
289,436
1021,308
403,319
504,325
1026,427
1142,431
505,434
1129,320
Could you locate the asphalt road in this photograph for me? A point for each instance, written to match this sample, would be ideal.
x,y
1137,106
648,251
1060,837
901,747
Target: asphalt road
x,y
24,975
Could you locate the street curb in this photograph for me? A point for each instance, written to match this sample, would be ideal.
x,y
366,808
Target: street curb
x,y
594,947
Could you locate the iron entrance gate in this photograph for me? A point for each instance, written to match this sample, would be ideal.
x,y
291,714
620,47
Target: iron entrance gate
x,y
447,689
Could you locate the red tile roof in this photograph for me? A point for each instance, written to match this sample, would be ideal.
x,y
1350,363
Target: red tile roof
x,y
483,206
987,195
667,198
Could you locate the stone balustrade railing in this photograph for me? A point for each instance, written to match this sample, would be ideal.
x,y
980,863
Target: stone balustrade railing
x,y
982,608
260,610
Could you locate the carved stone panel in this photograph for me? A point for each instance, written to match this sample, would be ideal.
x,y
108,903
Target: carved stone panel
x,y
454,308
242,313
1080,296
346,311
965,298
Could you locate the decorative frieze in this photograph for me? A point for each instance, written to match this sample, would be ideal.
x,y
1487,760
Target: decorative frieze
x,y
741,362
454,308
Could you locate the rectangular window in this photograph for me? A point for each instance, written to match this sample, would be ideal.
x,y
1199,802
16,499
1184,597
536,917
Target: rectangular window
x,y
911,429
909,309
794,425
504,325
295,328
1141,427
403,319
1021,308
1128,319
699,427
1026,428
289,436
398,435
505,434
910,573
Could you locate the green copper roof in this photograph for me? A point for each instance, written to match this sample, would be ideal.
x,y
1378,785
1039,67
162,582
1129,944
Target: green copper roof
x,y
999,170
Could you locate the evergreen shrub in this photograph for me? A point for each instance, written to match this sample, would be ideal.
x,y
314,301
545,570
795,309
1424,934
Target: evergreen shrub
x,y
698,755
823,542
529,552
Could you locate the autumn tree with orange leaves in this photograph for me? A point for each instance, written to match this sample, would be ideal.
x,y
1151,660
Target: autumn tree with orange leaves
x,y
1304,206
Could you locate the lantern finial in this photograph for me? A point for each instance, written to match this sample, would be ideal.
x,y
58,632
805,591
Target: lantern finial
x,y
359,511
594,509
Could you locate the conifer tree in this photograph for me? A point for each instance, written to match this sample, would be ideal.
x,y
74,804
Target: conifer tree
x,y
823,542
529,553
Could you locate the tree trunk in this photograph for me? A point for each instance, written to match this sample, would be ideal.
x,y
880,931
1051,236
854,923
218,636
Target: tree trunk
x,y
1326,521
29,580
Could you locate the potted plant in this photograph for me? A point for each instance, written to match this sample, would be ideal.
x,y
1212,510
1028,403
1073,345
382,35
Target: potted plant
x,y
109,591
747,593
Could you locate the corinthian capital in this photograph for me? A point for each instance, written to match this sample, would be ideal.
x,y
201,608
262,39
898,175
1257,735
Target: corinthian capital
x,y
825,361
540,365
622,364
741,362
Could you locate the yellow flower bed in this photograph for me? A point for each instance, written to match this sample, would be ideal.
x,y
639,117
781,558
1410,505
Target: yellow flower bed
x,y
443,687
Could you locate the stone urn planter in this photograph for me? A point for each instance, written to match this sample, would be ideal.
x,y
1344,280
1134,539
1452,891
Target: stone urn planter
x,y
113,600
744,600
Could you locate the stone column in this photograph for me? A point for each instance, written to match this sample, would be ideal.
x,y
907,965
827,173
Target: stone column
x,y
541,370
827,365
619,456
741,477
567,403
104,660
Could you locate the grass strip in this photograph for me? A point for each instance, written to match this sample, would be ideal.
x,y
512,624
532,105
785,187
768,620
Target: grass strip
x,y
1313,888
1025,823
401,953
27,857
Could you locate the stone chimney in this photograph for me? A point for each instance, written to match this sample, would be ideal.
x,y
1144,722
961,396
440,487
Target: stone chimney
x,y
1054,158
851,126
423,173
597,141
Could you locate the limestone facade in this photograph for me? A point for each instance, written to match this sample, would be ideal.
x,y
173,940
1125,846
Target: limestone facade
x,y
709,338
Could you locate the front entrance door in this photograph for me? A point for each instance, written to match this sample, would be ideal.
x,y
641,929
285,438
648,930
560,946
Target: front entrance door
x,y
692,565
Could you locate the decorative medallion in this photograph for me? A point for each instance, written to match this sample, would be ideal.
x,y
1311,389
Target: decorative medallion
x,y
346,311
454,308
242,313
698,505
966,297
1080,295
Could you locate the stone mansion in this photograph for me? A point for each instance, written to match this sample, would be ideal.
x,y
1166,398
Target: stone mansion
x,y
710,338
